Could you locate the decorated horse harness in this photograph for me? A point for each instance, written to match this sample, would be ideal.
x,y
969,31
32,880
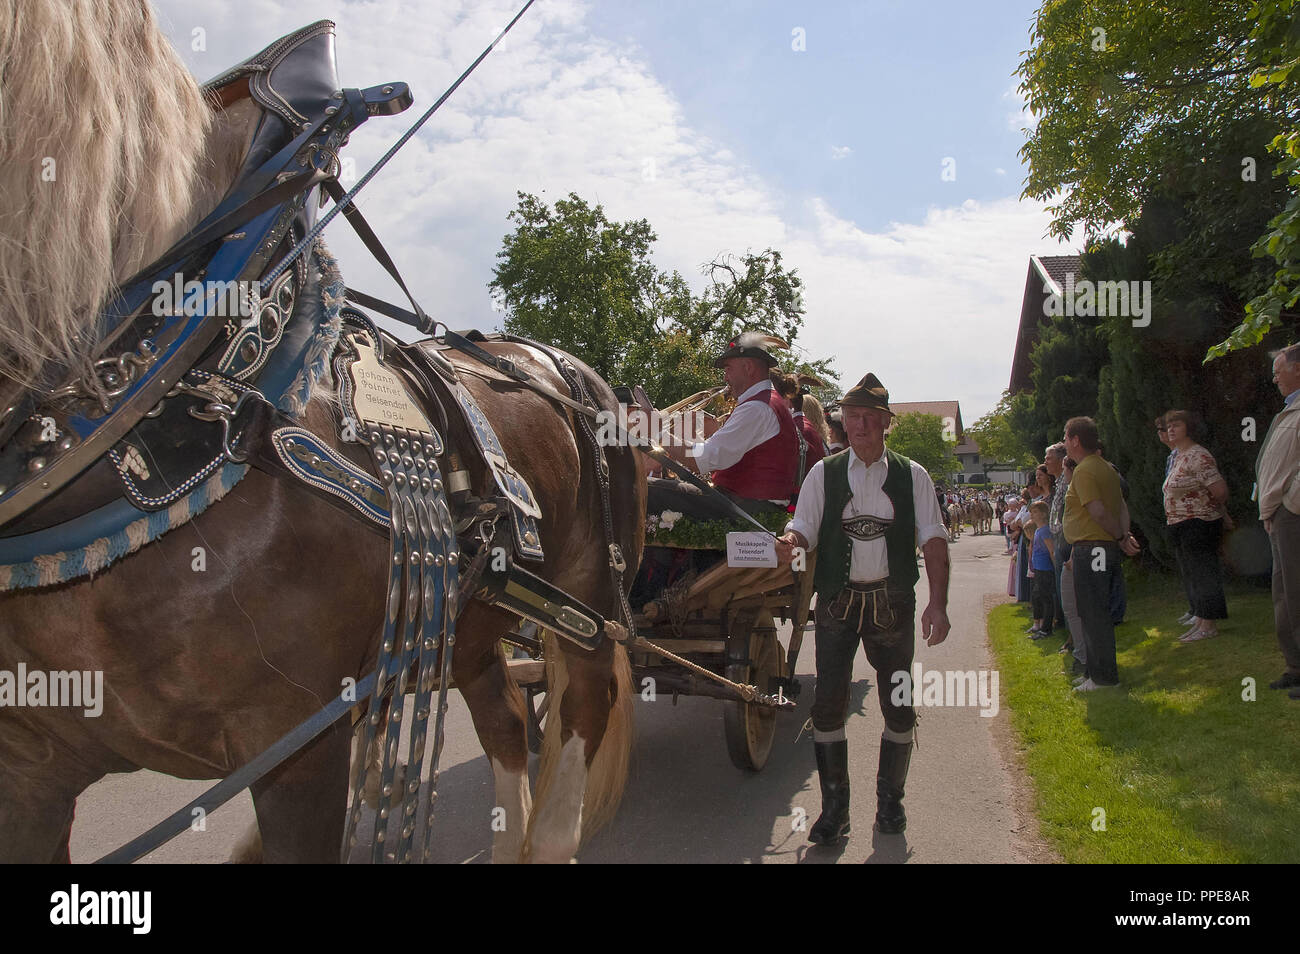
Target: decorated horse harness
x,y
182,399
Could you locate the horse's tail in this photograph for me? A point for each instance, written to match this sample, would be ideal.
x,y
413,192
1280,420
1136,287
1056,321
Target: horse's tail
x,y
607,774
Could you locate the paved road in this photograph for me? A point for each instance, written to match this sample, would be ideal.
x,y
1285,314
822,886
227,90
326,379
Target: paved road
x,y
685,801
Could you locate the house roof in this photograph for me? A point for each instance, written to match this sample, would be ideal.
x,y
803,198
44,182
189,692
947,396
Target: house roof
x,y
1046,276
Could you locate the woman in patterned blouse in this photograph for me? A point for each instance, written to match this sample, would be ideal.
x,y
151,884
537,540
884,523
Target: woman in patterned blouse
x,y
1195,499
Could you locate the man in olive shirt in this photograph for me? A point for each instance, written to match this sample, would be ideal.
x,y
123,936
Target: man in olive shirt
x,y
1097,528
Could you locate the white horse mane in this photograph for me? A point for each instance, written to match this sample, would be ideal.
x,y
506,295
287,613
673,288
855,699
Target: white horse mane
x,y
108,155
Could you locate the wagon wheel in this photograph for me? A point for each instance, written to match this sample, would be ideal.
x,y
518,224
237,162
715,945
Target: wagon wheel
x,y
750,729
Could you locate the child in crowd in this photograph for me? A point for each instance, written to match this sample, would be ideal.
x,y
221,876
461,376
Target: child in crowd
x,y
1008,522
1043,594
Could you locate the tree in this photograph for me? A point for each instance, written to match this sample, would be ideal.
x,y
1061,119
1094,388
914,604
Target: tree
x,y
920,437
570,277
1145,100
998,439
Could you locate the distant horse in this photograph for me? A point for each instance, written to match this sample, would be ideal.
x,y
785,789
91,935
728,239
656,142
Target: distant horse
x,y
982,516
203,670
956,514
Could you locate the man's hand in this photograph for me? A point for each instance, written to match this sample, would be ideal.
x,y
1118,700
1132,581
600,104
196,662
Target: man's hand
x,y
934,624
1268,525
787,544
1130,545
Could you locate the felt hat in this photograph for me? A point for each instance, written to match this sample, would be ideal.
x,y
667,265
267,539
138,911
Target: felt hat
x,y
868,392
750,344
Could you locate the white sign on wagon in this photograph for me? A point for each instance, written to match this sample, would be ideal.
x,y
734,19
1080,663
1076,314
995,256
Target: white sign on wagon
x,y
751,549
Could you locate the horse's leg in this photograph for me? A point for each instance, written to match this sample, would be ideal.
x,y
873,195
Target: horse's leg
x,y
39,786
582,776
497,707
302,804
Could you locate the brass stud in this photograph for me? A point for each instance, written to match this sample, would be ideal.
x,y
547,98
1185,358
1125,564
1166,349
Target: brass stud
x,y
36,464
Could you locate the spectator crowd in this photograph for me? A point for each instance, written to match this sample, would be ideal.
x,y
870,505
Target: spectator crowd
x,y
1069,530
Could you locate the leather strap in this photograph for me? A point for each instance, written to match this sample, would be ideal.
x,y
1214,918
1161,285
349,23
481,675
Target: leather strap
x,y
376,248
260,420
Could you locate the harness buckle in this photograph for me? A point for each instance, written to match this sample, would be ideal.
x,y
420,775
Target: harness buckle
x,y
616,557
220,411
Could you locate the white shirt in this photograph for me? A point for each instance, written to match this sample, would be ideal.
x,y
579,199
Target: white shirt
x,y
748,426
870,560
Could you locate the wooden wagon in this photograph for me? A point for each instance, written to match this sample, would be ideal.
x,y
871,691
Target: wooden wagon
x,y
712,633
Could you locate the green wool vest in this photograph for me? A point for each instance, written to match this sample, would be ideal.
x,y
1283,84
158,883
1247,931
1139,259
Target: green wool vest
x,y
835,547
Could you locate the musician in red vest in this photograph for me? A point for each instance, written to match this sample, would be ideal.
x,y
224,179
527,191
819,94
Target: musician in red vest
x,y
754,456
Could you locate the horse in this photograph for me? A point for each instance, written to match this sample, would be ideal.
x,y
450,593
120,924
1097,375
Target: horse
x,y
956,514
204,670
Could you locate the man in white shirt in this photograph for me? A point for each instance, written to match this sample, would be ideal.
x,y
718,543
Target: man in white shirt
x,y
1277,488
753,457
866,510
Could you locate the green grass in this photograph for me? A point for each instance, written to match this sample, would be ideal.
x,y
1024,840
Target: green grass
x,y
1185,769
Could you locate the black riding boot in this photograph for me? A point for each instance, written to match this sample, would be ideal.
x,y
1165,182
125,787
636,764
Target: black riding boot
x,y
890,779
833,771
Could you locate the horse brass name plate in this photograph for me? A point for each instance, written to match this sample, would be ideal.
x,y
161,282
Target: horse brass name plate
x,y
379,397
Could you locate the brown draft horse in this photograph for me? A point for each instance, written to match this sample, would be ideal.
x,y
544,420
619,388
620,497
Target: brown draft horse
x,y
203,670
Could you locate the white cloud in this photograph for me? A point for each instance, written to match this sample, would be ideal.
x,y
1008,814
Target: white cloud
x,y
840,152
931,307
1022,117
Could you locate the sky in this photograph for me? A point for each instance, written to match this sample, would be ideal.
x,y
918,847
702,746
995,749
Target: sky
x,y
873,143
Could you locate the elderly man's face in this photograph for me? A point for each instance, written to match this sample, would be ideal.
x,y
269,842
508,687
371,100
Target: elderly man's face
x,y
741,374
1285,376
865,425
1055,463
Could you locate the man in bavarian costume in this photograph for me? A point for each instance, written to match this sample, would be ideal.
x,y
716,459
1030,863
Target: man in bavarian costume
x,y
866,509
754,456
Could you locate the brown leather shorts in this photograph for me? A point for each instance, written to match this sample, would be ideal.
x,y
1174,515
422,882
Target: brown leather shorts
x,y
864,608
